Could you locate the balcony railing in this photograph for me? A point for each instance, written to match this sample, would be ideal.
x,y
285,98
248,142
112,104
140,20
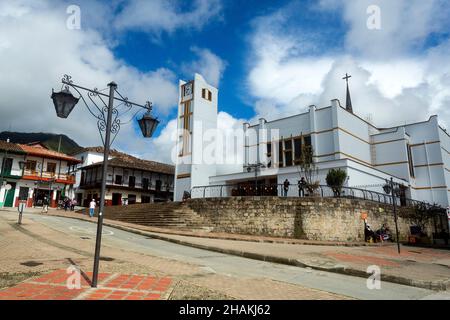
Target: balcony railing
x,y
137,185
223,191
49,176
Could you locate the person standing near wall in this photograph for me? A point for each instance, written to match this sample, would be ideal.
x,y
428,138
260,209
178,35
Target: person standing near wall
x,y
301,187
286,187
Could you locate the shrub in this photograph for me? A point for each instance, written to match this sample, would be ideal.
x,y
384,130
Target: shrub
x,y
336,179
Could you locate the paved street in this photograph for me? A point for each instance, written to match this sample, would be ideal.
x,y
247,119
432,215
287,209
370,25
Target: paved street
x,y
231,276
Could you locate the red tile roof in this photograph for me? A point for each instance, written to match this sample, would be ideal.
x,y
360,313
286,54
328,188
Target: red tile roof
x,y
10,147
41,151
112,152
127,161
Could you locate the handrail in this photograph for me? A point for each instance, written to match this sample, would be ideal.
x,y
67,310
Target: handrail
x,y
323,191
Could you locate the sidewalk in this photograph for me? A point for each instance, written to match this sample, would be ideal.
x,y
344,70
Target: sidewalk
x,y
419,267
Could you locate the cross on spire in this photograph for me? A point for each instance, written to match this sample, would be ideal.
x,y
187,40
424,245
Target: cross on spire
x,y
348,102
347,76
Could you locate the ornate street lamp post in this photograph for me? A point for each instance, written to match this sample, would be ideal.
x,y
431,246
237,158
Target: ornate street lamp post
x,y
108,122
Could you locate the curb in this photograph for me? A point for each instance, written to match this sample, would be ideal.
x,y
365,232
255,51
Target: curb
x,y
431,285
439,285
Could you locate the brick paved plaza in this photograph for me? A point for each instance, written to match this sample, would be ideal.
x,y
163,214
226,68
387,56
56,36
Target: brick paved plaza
x,y
53,286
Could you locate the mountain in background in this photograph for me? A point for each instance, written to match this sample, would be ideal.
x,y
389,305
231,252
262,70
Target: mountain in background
x,y
50,140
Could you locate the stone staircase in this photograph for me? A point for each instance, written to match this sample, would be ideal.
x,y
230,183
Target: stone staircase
x,y
160,215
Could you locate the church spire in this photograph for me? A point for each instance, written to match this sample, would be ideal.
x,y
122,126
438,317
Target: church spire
x,y
348,103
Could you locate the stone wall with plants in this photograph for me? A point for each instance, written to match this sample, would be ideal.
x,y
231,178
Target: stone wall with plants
x,y
324,219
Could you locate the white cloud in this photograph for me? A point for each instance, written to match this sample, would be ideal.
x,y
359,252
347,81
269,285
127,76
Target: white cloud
x,y
405,25
395,79
393,76
162,148
36,50
162,15
209,65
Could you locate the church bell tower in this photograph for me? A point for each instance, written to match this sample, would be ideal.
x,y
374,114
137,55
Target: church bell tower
x,y
197,113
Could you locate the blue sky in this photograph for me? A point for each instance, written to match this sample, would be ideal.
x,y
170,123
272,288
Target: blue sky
x,y
269,59
225,37
228,38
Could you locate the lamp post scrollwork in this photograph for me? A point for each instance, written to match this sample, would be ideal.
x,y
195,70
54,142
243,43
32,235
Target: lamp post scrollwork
x,y
102,107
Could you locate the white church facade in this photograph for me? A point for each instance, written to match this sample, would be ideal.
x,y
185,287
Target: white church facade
x,y
415,155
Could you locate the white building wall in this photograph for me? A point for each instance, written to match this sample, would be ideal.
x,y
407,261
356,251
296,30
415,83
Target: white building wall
x,y
204,118
15,170
353,135
445,151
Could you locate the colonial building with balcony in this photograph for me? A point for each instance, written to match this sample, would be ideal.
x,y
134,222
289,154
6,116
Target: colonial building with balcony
x,y
11,156
129,180
45,173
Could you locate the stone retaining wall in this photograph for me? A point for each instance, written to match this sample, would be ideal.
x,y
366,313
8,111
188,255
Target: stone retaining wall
x,y
324,219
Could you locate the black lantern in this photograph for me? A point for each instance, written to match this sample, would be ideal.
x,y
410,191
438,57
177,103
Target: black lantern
x,y
387,188
64,102
148,124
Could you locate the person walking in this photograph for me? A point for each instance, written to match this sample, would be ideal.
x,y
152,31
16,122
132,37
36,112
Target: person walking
x,y
301,187
286,187
73,203
45,205
92,208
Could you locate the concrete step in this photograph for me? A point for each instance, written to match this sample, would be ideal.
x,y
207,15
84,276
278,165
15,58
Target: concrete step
x,y
163,215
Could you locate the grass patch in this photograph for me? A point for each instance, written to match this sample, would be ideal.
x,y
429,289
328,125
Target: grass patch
x,y
187,291
11,279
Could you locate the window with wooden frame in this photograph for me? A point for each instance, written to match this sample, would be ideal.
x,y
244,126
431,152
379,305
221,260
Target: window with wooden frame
x,y
206,94
185,124
269,150
145,183
31,165
308,147
410,161
280,154
131,181
269,155
288,153
290,150
307,141
158,185
297,151
51,167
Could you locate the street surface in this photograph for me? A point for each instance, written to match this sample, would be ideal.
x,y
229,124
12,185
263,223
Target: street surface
x,y
219,267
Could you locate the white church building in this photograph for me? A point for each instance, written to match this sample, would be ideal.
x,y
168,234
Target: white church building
x,y
415,155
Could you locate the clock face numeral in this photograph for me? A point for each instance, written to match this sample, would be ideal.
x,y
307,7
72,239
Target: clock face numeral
x,y
188,89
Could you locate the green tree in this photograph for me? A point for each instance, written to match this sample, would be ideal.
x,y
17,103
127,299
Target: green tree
x,y
307,168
